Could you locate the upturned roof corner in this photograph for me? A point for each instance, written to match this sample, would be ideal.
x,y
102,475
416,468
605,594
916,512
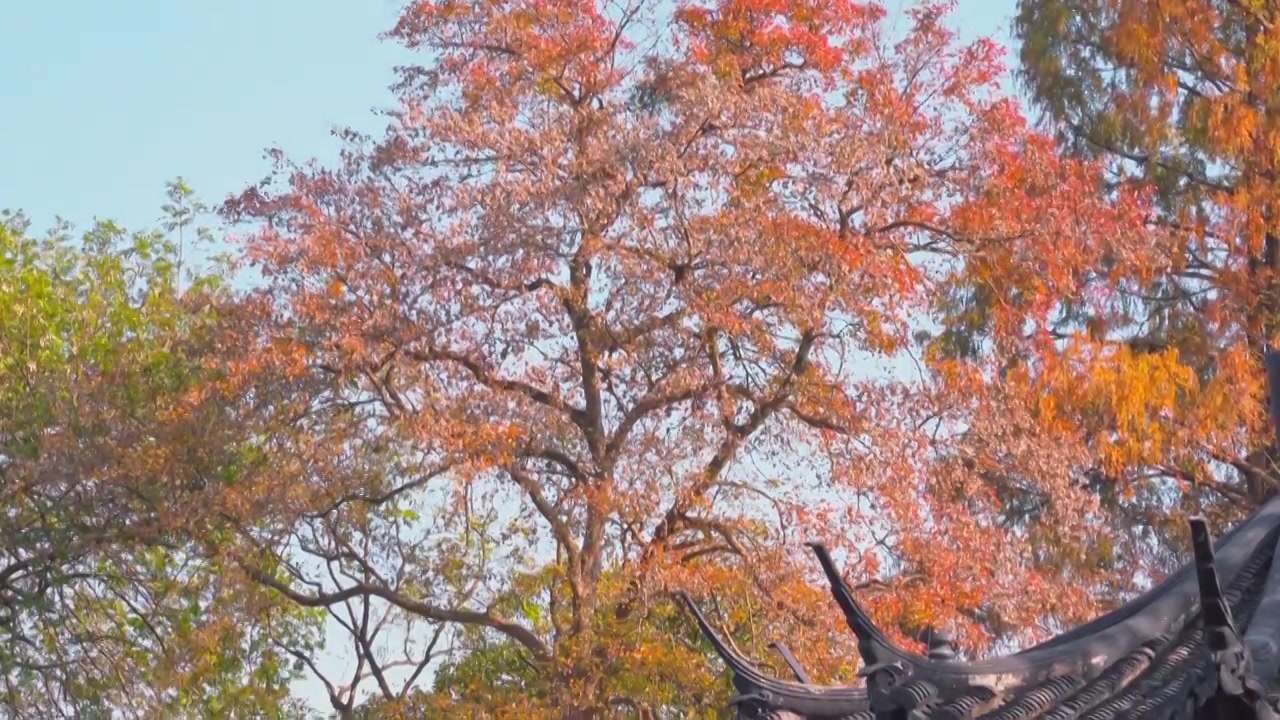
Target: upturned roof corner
x,y
1202,644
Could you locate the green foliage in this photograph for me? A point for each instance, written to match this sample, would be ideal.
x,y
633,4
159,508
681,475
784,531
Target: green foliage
x,y
109,603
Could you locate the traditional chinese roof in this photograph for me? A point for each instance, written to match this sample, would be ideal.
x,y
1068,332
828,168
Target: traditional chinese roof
x,y
1184,649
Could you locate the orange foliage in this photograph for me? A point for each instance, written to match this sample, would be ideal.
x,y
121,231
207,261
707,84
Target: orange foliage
x,y
1176,98
607,311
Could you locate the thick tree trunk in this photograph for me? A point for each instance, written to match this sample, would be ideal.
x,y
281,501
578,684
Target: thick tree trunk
x,y
1262,479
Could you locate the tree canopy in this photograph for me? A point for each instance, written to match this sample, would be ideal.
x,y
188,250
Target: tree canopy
x,y
606,312
1177,98
107,606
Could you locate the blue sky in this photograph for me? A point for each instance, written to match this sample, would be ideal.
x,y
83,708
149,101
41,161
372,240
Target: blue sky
x,y
103,102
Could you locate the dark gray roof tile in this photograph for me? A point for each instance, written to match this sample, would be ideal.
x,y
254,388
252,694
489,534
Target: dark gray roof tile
x,y
1178,651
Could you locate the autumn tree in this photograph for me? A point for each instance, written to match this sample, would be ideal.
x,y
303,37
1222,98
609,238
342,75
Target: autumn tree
x,y
1177,98
603,314
108,605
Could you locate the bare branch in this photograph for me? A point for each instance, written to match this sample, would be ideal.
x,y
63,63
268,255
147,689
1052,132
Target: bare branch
x,y
511,629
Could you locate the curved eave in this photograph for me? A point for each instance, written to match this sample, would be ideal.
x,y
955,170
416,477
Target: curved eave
x,y
811,701
1163,611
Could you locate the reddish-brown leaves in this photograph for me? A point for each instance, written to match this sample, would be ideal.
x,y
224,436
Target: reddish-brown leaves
x,y
645,279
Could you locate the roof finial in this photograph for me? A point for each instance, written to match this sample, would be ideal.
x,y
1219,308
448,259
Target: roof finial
x,y
1236,690
938,643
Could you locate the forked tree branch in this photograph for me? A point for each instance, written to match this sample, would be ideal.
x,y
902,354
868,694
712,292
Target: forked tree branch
x,y
526,637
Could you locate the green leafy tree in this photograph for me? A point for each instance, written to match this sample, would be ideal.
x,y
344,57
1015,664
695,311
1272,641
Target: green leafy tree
x,y
113,602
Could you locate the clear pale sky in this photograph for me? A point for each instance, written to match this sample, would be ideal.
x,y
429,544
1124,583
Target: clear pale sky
x,y
102,102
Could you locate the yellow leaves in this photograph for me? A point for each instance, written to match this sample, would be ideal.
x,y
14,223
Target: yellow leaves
x,y
1142,384
1136,403
1048,406
335,289
548,85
